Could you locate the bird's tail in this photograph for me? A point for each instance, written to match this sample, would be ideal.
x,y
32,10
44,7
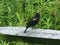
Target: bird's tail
x,y
25,30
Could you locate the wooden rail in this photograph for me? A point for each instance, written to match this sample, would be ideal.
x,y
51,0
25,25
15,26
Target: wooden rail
x,y
37,33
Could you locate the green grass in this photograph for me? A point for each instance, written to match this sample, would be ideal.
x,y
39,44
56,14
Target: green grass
x,y
16,43
19,12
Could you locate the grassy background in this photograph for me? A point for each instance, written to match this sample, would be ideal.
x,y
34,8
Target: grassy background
x,y
19,12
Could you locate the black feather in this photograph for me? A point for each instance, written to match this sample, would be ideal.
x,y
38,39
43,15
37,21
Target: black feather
x,y
33,21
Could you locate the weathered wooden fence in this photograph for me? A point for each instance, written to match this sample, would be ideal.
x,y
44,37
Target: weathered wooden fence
x,y
37,33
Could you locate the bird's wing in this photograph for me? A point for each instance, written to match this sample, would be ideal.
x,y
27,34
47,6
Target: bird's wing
x,y
34,19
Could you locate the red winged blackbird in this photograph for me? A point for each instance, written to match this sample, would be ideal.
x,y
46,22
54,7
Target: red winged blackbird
x,y
33,21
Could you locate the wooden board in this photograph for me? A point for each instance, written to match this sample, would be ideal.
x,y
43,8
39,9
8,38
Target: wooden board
x,y
37,33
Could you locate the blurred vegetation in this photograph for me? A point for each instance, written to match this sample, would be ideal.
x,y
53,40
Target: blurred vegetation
x,y
19,12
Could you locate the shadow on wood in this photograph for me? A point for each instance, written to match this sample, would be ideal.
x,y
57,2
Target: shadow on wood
x,y
31,40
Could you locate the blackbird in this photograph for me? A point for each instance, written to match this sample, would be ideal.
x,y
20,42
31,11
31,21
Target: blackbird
x,y
33,21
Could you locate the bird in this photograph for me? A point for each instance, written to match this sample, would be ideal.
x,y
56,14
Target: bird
x,y
34,20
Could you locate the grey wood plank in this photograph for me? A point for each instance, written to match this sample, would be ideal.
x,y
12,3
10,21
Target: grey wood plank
x,y
37,33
